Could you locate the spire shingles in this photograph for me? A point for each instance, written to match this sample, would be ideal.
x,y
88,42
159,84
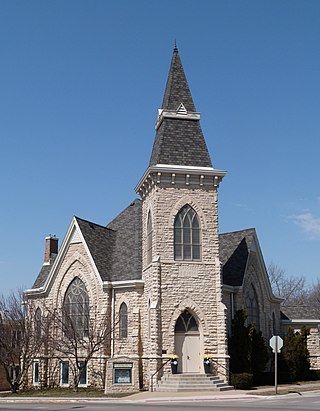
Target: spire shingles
x,y
179,139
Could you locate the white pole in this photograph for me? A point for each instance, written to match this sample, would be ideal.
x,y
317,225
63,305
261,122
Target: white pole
x,y
276,366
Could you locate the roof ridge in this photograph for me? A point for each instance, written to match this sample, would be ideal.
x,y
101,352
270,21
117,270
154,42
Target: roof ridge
x,y
239,231
91,222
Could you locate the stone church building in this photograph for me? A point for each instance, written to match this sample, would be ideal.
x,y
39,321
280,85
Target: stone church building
x,y
160,274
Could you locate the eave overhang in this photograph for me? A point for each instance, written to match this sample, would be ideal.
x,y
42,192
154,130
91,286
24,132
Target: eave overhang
x,y
123,284
178,175
301,321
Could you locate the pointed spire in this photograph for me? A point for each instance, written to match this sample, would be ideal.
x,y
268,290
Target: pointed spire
x,y
177,89
179,139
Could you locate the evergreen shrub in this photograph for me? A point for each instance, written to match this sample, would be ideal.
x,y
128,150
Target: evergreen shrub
x,y
242,380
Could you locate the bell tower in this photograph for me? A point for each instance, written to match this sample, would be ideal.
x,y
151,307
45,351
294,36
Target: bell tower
x,y
180,245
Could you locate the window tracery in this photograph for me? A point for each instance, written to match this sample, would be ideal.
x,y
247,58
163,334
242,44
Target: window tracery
x,y
187,235
76,307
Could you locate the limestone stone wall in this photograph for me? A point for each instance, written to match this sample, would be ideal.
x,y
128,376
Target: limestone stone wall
x,y
314,348
129,367
130,346
76,263
172,286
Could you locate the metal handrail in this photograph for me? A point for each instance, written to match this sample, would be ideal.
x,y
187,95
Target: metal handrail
x,y
157,372
220,365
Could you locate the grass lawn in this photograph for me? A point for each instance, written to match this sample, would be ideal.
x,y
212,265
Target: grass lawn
x,y
64,393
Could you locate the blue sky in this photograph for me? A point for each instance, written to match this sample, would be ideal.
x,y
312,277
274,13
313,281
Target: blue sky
x,y
80,85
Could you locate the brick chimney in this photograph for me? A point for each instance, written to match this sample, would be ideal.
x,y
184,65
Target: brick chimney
x,y
51,248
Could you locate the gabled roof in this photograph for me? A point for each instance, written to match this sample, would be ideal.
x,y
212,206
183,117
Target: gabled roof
x,y
43,274
101,243
234,252
127,253
179,139
115,249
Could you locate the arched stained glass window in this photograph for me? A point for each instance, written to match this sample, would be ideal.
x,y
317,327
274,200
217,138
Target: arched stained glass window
x,y
76,308
187,235
37,323
252,307
123,321
149,238
186,323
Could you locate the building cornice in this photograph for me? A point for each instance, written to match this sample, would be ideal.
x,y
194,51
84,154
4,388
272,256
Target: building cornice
x,y
181,114
178,175
123,284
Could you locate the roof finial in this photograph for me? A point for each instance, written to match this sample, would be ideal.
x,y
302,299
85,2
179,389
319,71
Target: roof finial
x,y
175,50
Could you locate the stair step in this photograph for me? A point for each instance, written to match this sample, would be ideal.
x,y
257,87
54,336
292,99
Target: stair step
x,y
191,382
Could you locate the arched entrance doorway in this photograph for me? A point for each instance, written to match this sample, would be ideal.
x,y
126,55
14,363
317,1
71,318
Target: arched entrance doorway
x,y
187,343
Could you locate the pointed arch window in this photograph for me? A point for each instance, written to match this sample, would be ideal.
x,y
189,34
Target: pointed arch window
x,y
253,307
37,323
149,238
186,323
76,308
187,235
123,321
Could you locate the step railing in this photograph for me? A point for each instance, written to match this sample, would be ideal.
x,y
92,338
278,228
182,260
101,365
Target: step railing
x,y
156,372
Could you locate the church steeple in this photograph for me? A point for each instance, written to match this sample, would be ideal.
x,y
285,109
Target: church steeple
x,y
179,139
177,90
179,154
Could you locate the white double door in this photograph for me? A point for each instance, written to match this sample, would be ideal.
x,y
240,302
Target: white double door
x,y
188,350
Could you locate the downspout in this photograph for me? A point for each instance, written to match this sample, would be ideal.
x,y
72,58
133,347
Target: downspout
x,y
112,322
232,305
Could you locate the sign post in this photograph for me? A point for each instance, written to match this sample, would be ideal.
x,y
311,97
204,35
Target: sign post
x,y
276,343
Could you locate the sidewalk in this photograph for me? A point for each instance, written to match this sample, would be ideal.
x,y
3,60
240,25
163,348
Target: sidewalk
x,y
232,394
147,396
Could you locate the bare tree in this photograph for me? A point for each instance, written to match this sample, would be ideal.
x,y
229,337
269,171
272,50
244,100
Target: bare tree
x,y
313,297
18,343
291,289
77,338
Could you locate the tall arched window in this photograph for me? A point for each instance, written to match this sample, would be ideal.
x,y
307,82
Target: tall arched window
x,y
123,321
252,307
37,323
149,238
187,235
76,308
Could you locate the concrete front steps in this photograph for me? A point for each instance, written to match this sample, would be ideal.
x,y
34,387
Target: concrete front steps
x,y
191,382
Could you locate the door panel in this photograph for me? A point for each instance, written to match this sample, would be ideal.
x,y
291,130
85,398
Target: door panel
x,y
192,353
188,350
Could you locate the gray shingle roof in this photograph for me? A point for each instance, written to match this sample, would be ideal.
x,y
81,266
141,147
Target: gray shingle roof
x,y
300,312
43,274
115,249
101,243
177,89
127,253
179,141
234,252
